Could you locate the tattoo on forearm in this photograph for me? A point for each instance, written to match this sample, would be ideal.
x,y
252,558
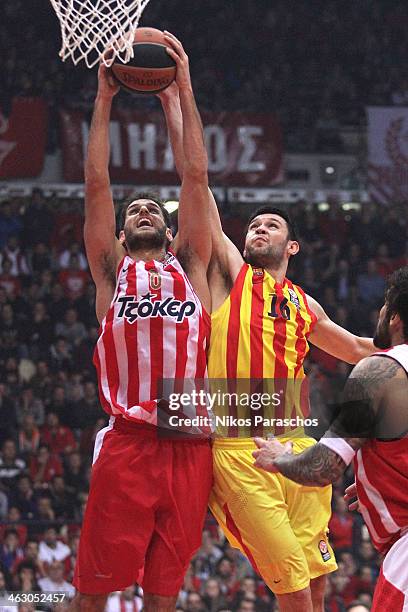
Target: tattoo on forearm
x,y
317,466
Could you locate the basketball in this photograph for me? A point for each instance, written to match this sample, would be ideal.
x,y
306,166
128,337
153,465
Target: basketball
x,y
151,69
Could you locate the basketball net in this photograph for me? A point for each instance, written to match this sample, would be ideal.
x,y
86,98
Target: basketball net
x,y
89,28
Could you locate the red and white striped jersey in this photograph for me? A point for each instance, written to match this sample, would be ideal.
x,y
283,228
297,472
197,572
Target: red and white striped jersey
x,y
381,469
155,329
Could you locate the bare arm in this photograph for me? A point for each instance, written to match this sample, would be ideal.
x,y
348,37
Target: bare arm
x,y
194,235
103,249
224,254
336,340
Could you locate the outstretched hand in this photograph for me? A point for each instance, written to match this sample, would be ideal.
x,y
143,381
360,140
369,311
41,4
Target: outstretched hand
x,y
107,86
176,51
268,451
351,494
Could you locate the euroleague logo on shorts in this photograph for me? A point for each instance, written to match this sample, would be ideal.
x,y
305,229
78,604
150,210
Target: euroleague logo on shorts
x,y
133,309
324,550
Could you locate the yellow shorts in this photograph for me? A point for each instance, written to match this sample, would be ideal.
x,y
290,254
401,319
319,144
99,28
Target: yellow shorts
x,y
279,525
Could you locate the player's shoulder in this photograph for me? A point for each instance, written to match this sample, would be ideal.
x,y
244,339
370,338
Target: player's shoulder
x,y
379,366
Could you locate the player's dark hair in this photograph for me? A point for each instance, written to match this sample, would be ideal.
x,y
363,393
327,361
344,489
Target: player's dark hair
x,y
396,296
142,196
271,210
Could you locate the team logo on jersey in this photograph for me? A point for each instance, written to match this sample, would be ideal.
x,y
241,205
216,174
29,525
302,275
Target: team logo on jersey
x,y
257,275
154,280
133,309
324,550
294,298
169,259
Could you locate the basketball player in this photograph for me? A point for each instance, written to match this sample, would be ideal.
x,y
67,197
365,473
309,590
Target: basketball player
x,y
371,429
149,493
260,327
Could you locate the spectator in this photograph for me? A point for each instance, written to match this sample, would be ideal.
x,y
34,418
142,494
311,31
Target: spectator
x,y
71,329
60,355
371,285
194,603
40,258
23,497
8,281
85,306
3,505
10,223
11,551
58,402
63,501
25,580
42,380
87,410
124,601
44,512
11,466
57,303
37,220
54,580
212,596
341,526
8,420
28,436
44,466
74,248
51,549
74,473
12,253
13,521
27,403
40,335
357,606
58,438
4,593
73,279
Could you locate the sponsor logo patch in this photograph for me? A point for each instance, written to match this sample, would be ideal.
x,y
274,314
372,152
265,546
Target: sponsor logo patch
x,y
324,550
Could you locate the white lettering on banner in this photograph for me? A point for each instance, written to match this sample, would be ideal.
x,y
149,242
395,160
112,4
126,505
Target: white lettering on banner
x,y
232,148
85,137
247,135
168,161
114,139
142,140
216,143
115,144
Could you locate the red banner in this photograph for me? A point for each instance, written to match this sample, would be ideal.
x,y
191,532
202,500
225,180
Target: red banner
x,y
243,149
23,136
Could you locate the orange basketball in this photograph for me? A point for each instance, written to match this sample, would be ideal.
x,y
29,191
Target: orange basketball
x,y
151,69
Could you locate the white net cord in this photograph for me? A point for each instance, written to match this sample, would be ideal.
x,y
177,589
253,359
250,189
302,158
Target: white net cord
x,y
89,28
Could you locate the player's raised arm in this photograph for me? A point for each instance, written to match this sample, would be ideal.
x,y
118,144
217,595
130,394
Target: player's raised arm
x,y
194,232
336,340
221,245
103,249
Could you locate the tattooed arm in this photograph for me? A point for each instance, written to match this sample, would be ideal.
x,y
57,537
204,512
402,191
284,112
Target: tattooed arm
x,y
369,383
315,467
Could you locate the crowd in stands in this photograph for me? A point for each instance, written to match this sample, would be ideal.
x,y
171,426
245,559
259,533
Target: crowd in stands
x,y
50,413
316,64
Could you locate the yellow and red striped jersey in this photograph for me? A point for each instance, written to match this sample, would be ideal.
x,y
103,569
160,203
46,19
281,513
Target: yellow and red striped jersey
x,y
259,342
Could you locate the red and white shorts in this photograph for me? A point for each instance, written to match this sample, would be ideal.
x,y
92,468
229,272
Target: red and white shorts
x,y
391,591
146,508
